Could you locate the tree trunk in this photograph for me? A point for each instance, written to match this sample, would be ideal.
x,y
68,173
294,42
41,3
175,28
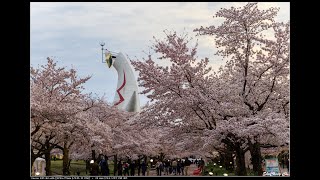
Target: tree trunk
x,y
145,159
161,156
227,158
65,163
115,166
256,158
48,163
33,158
240,161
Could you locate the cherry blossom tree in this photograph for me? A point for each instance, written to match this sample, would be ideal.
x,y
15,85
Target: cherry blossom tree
x,y
236,104
258,68
56,99
179,90
180,98
63,117
79,124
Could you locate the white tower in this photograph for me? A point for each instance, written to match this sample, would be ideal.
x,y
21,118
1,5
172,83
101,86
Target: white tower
x,y
126,96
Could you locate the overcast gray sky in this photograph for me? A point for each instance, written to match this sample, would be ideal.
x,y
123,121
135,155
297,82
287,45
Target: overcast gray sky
x,y
71,31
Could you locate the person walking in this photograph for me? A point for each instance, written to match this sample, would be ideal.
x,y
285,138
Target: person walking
x,y
179,167
87,166
104,167
182,164
119,168
187,164
125,167
138,165
201,164
166,167
143,168
159,167
174,166
132,168
94,168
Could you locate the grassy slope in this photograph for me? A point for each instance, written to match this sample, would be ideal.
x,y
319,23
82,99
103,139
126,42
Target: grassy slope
x,y
56,167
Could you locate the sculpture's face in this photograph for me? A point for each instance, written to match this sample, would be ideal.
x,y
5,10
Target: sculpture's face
x,y
109,59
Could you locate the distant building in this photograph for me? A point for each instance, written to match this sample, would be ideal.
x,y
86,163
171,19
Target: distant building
x,y
56,153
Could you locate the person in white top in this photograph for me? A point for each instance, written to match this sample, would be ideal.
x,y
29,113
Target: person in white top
x,y
159,167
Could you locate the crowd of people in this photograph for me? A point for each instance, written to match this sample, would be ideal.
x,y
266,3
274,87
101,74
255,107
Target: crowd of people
x,y
124,168
172,167
176,166
169,167
97,168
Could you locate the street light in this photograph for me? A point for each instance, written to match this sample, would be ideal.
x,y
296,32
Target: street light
x,y
92,161
151,160
102,44
220,166
230,162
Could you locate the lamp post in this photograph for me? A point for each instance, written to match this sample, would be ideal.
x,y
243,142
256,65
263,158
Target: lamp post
x,y
102,44
151,160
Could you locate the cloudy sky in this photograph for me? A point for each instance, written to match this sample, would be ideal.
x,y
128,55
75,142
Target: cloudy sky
x,y
70,32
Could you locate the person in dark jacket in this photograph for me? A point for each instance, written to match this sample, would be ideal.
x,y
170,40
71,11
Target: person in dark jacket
x,y
87,166
132,168
94,168
182,167
104,167
187,164
138,166
166,167
178,167
201,164
119,168
143,168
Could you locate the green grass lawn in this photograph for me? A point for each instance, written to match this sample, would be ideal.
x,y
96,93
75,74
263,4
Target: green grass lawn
x,y
217,171
56,167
